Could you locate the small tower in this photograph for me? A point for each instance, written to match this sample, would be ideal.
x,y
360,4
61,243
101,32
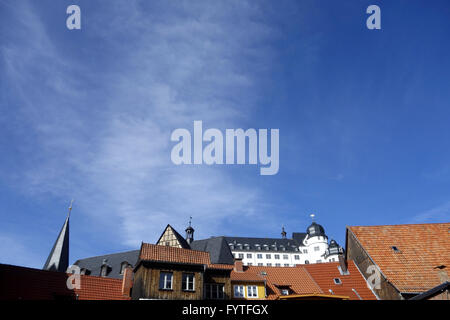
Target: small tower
x,y
190,232
283,233
58,259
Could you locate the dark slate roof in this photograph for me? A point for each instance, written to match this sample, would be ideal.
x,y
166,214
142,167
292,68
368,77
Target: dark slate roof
x,y
114,261
274,244
299,237
218,249
58,259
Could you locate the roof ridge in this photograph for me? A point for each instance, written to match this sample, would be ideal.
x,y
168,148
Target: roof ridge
x,y
401,224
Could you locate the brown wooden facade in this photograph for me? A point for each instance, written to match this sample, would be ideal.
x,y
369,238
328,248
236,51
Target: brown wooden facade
x,y
147,281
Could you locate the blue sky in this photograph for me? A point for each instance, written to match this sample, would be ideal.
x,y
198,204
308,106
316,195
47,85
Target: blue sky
x,y
87,114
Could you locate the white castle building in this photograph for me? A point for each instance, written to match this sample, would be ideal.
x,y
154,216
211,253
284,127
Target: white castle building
x,y
302,248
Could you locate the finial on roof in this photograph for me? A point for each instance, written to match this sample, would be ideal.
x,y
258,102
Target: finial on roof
x,y
283,233
312,215
70,207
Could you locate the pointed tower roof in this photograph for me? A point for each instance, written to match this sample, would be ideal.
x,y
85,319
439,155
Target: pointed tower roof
x,y
58,259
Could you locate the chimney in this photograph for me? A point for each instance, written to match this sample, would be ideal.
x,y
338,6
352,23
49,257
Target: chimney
x,y
343,264
127,281
238,265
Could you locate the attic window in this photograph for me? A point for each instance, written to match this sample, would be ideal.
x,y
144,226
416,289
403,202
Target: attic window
x,y
337,281
395,249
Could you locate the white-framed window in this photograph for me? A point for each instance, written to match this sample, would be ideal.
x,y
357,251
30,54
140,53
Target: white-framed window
x,y
306,261
250,264
252,291
285,256
277,256
268,256
165,280
297,257
277,264
214,291
318,261
188,282
123,266
269,264
305,250
259,256
249,255
316,248
241,256
239,291
286,264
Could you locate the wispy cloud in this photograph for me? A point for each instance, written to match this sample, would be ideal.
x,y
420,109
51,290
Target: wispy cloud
x,y
438,214
99,130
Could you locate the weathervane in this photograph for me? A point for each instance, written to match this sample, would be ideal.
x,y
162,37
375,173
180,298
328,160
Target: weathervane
x,y
190,219
312,215
70,207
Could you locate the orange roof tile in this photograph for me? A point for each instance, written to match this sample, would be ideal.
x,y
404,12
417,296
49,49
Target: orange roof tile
x,y
422,247
152,252
325,273
298,280
220,266
246,275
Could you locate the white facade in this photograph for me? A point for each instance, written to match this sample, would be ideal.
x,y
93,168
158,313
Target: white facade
x,y
313,249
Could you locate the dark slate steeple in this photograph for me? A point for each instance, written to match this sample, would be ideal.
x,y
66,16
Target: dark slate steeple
x,y
190,232
58,259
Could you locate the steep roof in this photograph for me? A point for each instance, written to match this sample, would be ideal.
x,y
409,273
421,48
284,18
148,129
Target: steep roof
x,y
182,241
115,260
153,252
351,284
58,259
34,284
421,248
297,279
217,247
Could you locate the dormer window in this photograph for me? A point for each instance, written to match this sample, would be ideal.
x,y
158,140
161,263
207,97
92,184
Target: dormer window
x,y
123,266
395,249
337,281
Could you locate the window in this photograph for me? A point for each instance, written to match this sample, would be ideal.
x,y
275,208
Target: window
x,y
214,291
241,256
286,264
297,257
284,292
316,248
268,256
395,249
305,250
250,264
277,256
259,255
285,256
318,261
104,270
165,280
306,261
167,243
123,266
277,264
188,282
269,264
239,291
252,291
260,264
249,255
337,281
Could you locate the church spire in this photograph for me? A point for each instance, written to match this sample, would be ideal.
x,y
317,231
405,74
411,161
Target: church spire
x,y
58,259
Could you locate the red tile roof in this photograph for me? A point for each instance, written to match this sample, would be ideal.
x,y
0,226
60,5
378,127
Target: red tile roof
x,y
34,284
298,280
152,252
422,247
325,273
